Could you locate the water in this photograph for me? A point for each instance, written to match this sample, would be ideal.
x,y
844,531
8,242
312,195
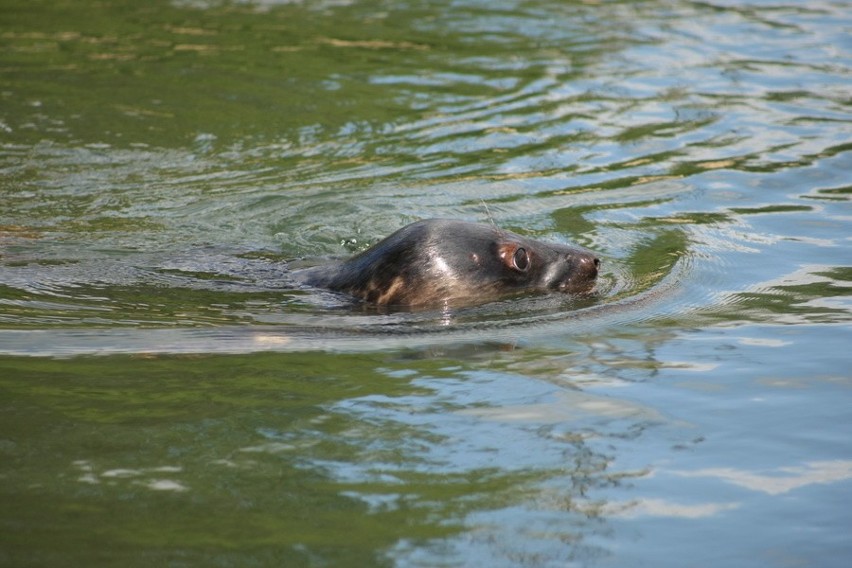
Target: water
x,y
168,398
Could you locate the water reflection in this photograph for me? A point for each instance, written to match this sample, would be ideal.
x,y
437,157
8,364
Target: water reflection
x,y
162,161
773,482
150,478
781,480
663,508
809,294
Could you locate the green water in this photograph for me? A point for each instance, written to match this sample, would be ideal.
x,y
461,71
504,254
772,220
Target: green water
x,y
170,398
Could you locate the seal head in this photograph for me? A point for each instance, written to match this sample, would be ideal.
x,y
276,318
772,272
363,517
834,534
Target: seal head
x,y
437,261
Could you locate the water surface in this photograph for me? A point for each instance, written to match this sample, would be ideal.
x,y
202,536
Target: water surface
x,y
169,397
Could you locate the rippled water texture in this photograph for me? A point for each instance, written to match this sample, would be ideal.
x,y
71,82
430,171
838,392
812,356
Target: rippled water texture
x,y
170,397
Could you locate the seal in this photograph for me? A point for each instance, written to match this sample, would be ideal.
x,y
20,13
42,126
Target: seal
x,y
440,261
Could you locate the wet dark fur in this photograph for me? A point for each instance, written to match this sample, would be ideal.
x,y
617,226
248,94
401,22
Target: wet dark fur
x,y
440,260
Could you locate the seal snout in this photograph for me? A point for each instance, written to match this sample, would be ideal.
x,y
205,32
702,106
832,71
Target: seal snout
x,y
585,271
581,272
587,265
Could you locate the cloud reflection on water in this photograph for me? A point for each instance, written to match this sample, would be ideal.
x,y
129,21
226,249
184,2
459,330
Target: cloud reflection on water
x,y
781,480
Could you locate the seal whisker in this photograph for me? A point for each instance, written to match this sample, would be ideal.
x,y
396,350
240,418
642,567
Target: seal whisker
x,y
488,214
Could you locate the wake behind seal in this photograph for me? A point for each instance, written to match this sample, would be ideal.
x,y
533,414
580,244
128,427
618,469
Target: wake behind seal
x,y
437,261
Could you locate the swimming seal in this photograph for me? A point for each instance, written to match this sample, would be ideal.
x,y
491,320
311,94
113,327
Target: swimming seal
x,y
437,261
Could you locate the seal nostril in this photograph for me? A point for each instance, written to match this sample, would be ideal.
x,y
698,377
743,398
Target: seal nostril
x,y
597,262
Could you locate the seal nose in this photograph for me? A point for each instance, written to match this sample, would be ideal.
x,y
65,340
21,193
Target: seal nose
x,y
588,265
582,272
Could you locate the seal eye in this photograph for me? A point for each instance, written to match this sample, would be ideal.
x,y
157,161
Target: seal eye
x,y
521,260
